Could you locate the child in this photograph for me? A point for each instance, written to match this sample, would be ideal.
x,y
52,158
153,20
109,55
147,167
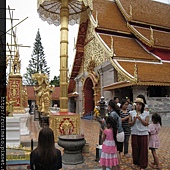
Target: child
x,y
154,139
109,150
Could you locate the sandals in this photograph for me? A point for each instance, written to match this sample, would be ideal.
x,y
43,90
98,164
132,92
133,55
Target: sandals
x,y
154,166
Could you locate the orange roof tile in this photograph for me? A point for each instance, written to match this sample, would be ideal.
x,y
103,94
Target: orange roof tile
x,y
161,38
149,73
109,16
128,48
149,12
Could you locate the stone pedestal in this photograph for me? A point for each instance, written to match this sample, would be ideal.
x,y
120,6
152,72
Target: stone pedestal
x,y
12,131
72,145
23,122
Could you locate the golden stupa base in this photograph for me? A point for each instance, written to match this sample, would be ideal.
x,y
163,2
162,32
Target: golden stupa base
x,y
63,123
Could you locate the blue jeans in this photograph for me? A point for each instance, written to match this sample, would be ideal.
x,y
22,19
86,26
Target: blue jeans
x,y
126,144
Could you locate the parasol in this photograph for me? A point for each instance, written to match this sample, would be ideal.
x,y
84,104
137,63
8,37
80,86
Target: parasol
x,y
63,12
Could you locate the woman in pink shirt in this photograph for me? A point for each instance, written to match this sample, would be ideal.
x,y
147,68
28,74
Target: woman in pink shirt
x,y
154,142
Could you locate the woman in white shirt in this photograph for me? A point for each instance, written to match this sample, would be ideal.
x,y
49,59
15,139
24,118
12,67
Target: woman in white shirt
x,y
139,121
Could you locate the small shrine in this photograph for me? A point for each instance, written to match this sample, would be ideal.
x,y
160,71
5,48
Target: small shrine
x,y
15,97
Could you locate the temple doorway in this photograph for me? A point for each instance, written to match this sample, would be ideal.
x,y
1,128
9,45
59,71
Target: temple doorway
x,y
88,96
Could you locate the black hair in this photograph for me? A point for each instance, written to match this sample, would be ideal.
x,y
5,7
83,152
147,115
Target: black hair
x,y
45,150
114,106
156,118
115,98
143,108
110,120
123,102
142,97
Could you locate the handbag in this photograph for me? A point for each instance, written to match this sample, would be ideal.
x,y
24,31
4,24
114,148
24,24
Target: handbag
x,y
120,137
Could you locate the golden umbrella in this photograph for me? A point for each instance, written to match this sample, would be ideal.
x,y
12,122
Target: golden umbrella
x,y
63,12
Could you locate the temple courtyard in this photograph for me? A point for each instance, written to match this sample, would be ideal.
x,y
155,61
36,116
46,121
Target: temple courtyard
x,y
90,129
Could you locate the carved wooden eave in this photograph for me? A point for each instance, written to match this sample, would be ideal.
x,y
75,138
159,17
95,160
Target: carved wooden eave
x,y
142,38
123,11
129,17
79,56
146,73
125,74
88,3
153,84
123,84
117,85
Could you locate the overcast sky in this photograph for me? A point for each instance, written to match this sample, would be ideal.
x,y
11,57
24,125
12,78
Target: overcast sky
x,y
50,35
26,33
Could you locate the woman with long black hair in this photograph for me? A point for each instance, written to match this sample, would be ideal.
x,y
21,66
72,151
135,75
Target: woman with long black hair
x,y
114,111
46,156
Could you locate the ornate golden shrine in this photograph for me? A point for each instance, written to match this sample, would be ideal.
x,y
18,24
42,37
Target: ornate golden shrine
x,y
64,123
17,98
14,93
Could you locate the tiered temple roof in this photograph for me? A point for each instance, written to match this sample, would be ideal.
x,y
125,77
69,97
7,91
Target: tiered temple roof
x,y
141,40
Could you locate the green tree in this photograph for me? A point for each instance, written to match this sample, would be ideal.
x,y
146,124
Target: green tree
x,y
55,81
37,63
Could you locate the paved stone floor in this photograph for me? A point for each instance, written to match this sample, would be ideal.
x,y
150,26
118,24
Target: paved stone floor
x,y
90,128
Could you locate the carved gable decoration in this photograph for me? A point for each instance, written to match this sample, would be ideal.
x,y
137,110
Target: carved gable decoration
x,y
91,66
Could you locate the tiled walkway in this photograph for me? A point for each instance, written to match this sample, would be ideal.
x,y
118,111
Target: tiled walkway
x,y
90,128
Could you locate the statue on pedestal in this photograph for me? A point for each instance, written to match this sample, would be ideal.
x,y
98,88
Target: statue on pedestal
x,y
43,92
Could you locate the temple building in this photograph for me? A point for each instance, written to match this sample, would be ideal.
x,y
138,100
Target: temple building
x,y
122,49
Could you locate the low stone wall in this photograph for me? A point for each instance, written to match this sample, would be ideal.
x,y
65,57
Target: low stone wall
x,y
159,104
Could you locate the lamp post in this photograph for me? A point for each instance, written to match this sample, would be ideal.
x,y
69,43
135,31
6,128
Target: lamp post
x,y
63,12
